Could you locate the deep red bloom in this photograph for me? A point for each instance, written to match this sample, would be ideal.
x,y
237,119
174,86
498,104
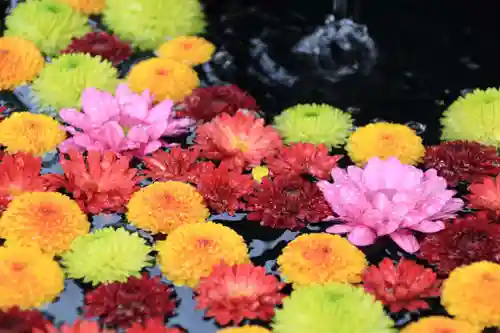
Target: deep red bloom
x,y
153,325
15,320
80,326
286,203
235,293
204,104
121,304
102,44
303,158
3,109
462,161
486,195
464,241
403,286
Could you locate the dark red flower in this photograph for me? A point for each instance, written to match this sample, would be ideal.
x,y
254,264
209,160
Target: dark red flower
x,y
462,161
286,203
3,109
121,304
303,158
486,195
79,326
235,293
153,325
102,44
204,104
15,320
464,241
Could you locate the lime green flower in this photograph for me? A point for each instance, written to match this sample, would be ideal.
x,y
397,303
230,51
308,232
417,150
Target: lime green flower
x,y
315,124
339,308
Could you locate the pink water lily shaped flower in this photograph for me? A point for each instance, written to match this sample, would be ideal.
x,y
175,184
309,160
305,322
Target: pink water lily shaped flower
x,y
387,197
126,123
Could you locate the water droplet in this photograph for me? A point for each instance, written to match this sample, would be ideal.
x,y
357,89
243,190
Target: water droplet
x,y
377,120
419,128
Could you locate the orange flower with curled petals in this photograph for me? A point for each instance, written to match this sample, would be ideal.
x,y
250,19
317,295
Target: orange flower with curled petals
x,y
80,326
440,324
486,195
191,50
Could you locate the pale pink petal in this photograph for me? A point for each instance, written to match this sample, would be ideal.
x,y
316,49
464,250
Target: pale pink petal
x,y
99,106
339,229
68,145
406,241
156,130
152,146
75,118
84,141
361,236
113,135
178,126
429,227
138,134
160,112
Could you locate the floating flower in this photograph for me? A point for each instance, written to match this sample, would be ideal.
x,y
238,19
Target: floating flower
x,y
191,50
126,122
79,326
154,325
48,220
403,286
36,134
321,259
259,172
440,324
302,159
474,117
314,123
165,78
121,304
239,141
464,294
486,195
244,329
239,292
150,29
339,308
388,198
20,62
78,71
204,104
36,278
106,256
286,203
30,20
102,44
191,250
15,320
164,206
88,7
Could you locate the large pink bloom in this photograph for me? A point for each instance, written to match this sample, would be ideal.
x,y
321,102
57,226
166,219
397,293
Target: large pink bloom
x,y
388,198
126,122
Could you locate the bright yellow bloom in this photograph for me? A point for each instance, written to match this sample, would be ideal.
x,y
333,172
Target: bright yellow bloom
x,y
245,329
87,6
191,50
31,133
191,250
28,278
260,172
440,324
472,293
321,259
385,140
164,78
163,206
20,62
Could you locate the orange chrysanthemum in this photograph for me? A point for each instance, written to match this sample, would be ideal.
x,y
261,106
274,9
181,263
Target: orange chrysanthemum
x,y
440,324
49,220
20,62
163,206
191,50
87,6
80,326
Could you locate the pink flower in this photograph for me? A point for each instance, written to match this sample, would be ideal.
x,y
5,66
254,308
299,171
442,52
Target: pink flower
x,y
388,198
124,123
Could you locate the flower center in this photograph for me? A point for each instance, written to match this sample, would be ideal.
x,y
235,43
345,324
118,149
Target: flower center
x,y
240,290
162,72
239,144
48,212
317,254
52,8
187,46
386,137
310,114
17,266
4,52
204,243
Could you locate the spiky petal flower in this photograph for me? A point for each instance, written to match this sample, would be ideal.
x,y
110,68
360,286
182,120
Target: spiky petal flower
x,y
234,293
388,198
79,326
88,7
152,325
440,324
485,195
245,329
15,320
191,50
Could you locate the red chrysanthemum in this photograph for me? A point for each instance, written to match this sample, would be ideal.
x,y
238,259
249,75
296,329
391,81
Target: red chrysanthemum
x,y
15,320
235,293
286,203
204,104
464,241
463,161
154,325
486,195
102,44
79,326
238,141
3,110
121,304
303,158
403,286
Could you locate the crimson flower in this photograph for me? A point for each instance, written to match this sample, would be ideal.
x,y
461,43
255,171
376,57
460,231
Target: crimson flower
x,y
110,47
462,161
403,286
3,109
79,326
486,195
464,241
235,293
204,104
153,325
286,203
15,320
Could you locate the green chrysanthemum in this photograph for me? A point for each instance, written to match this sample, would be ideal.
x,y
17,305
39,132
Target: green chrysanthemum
x,y
474,117
315,124
154,21
106,255
49,24
339,308
62,82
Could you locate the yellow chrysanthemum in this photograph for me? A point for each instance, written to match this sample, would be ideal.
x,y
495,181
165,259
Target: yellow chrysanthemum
x,y
440,324
20,62
191,50
163,206
245,329
472,293
321,259
260,172
164,78
48,219
385,140
87,6
28,278
191,250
